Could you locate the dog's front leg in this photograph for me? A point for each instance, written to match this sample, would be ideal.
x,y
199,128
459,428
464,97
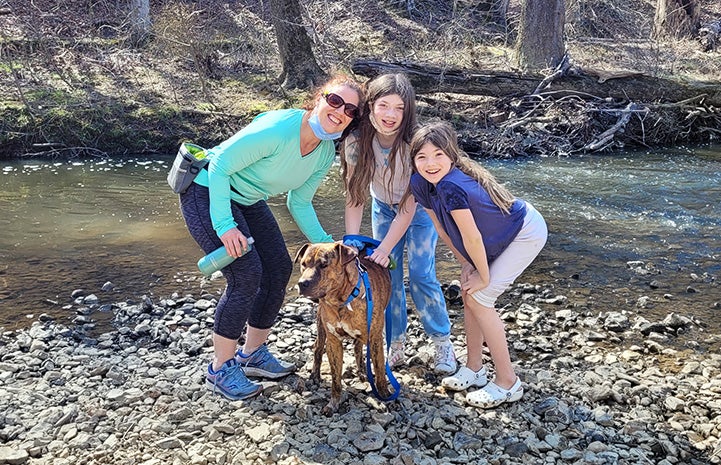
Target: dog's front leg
x,y
334,350
318,348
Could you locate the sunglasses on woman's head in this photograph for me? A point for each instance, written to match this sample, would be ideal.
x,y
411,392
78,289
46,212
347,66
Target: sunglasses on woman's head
x,y
336,101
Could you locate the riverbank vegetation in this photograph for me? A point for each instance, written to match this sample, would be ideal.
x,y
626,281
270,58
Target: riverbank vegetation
x,y
77,80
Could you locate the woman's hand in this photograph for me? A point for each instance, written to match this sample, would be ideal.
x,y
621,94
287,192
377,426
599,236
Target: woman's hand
x,y
235,242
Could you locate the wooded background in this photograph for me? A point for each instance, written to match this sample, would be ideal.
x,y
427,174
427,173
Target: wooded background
x,y
516,77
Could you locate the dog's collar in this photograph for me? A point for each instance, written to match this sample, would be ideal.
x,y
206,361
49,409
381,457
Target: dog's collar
x,y
357,289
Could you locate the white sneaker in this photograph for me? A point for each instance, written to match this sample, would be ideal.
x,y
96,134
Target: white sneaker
x,y
396,354
445,358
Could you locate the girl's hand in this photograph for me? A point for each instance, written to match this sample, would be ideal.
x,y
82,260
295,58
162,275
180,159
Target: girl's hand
x,y
235,242
472,282
380,256
466,269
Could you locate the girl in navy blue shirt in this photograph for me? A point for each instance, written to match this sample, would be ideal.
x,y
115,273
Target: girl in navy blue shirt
x,y
494,236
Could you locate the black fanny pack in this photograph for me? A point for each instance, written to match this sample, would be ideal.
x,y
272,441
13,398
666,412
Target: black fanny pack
x,y
188,162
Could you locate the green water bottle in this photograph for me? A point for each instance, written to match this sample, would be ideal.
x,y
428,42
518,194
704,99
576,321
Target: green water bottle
x,y
219,259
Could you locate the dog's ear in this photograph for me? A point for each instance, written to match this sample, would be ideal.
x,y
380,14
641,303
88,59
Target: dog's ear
x,y
301,252
346,257
345,254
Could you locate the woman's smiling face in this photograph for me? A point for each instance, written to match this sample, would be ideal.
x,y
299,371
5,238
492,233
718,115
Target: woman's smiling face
x,y
432,163
335,119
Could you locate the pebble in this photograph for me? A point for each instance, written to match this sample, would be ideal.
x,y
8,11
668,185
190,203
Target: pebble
x,y
600,388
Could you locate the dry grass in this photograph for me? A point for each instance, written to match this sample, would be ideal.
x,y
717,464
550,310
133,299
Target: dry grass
x,y
213,57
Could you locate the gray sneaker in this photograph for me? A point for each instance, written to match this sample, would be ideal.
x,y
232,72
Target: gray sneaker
x,y
231,382
263,364
397,354
445,358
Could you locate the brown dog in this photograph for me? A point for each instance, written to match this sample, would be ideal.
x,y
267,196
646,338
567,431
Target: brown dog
x,y
329,273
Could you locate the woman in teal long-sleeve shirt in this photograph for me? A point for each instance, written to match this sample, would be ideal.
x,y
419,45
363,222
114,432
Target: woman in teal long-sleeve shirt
x,y
283,151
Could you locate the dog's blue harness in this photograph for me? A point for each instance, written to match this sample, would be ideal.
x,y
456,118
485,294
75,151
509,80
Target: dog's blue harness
x,y
363,280
368,244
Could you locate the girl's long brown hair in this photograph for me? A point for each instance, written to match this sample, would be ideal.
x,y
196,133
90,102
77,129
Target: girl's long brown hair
x,y
380,86
443,136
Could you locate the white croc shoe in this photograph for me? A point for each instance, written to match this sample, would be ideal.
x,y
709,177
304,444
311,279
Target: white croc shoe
x,y
465,378
492,395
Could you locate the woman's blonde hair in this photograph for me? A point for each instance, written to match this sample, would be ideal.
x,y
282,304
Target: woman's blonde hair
x,y
443,136
380,86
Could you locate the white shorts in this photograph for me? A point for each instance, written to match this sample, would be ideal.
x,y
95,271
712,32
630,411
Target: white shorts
x,y
518,255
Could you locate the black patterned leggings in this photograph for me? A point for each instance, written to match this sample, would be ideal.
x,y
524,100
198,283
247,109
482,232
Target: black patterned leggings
x,y
256,282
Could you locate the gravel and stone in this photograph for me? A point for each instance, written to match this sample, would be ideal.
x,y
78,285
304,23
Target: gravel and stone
x,y
134,393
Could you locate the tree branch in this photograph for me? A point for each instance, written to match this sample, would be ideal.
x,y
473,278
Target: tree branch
x,y
603,139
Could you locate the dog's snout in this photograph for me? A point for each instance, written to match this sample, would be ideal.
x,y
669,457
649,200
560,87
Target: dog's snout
x,y
308,287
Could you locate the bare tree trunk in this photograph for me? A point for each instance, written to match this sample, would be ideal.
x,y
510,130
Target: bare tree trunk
x,y
300,68
540,42
139,21
676,18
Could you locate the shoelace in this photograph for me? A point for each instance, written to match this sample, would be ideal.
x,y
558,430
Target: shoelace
x,y
444,353
223,374
238,379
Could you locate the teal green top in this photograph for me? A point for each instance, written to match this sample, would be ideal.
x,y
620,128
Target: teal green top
x,y
263,160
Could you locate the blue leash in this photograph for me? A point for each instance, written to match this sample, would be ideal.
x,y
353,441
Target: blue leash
x,y
367,243
363,278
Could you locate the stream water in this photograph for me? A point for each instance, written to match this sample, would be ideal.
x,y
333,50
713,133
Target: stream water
x,y
78,225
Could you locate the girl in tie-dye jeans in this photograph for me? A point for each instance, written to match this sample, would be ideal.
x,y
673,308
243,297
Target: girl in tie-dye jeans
x,y
375,157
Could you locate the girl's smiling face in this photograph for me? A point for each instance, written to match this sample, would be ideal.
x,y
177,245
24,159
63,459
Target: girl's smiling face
x,y
432,163
387,112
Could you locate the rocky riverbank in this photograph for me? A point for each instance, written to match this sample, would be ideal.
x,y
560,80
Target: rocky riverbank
x,y
135,395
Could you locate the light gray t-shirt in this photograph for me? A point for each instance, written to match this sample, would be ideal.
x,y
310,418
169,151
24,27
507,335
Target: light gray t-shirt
x,y
379,184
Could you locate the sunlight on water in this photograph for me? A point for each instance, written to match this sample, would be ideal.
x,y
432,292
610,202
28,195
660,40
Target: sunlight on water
x,y
668,196
79,224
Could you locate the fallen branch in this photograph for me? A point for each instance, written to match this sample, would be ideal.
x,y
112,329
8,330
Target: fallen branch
x,y
525,121
621,85
561,70
604,75
603,139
